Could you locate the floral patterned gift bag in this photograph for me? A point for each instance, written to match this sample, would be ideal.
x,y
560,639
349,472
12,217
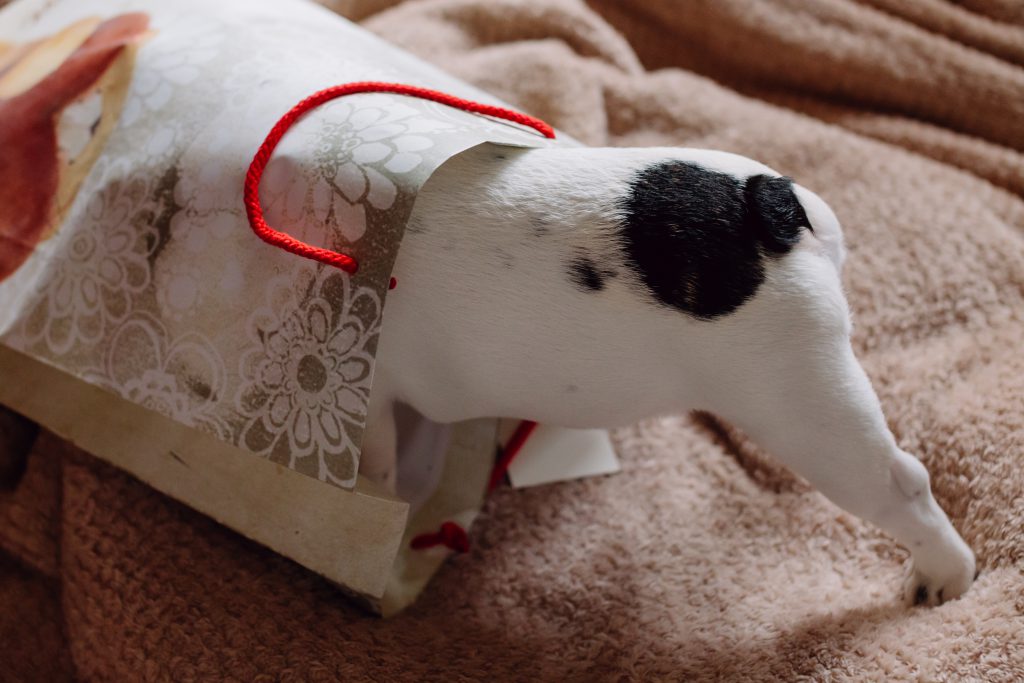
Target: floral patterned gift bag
x,y
224,372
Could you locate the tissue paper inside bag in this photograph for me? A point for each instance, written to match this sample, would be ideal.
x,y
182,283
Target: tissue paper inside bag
x,y
132,288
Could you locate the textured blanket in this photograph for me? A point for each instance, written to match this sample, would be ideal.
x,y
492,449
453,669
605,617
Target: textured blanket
x,y
703,559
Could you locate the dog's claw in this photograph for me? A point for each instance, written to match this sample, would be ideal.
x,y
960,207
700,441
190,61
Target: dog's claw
x,y
943,579
923,590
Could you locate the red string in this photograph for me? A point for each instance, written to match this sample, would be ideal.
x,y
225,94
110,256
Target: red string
x,y
252,179
515,444
453,536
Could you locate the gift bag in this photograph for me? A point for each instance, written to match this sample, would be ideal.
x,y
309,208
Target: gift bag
x,y
142,319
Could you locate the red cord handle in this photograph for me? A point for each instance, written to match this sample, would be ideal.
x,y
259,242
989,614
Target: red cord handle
x,y
511,450
453,536
259,163
450,535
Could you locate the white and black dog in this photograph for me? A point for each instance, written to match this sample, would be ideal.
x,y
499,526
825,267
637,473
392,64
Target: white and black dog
x,y
595,287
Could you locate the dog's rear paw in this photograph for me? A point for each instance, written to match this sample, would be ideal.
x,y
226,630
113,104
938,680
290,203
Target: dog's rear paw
x,y
950,581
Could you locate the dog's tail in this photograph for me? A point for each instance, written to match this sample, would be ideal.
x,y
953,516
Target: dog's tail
x,y
774,213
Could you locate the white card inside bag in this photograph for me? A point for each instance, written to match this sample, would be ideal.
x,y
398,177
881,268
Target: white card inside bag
x,y
553,454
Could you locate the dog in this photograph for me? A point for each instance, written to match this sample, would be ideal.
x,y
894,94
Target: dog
x,y
590,287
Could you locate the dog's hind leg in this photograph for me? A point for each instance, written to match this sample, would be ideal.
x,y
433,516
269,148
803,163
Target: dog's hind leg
x,y
809,403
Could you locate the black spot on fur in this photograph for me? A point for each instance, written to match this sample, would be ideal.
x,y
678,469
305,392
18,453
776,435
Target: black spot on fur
x,y
697,237
778,215
571,388
500,157
588,276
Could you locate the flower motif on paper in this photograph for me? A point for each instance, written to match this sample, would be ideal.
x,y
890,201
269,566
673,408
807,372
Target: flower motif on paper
x,y
183,379
164,69
104,265
306,382
358,150
496,129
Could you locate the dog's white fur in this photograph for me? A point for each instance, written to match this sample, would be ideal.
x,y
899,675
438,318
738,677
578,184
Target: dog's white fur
x,y
485,321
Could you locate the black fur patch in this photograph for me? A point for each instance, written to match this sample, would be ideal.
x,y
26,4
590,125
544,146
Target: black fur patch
x,y
697,238
779,217
587,275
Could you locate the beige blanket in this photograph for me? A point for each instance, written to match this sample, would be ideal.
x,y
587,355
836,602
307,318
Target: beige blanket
x,y
703,559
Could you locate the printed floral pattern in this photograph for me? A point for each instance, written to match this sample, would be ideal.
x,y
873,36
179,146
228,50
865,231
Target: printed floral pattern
x,y
103,265
358,151
307,383
182,379
155,288
166,70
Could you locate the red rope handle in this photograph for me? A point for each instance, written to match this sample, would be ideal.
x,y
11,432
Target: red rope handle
x,y
450,535
511,450
259,162
453,536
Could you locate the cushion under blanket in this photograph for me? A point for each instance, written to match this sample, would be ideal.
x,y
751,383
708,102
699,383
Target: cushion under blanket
x,y
703,559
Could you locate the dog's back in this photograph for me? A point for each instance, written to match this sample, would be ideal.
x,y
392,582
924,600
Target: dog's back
x,y
596,287
552,283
